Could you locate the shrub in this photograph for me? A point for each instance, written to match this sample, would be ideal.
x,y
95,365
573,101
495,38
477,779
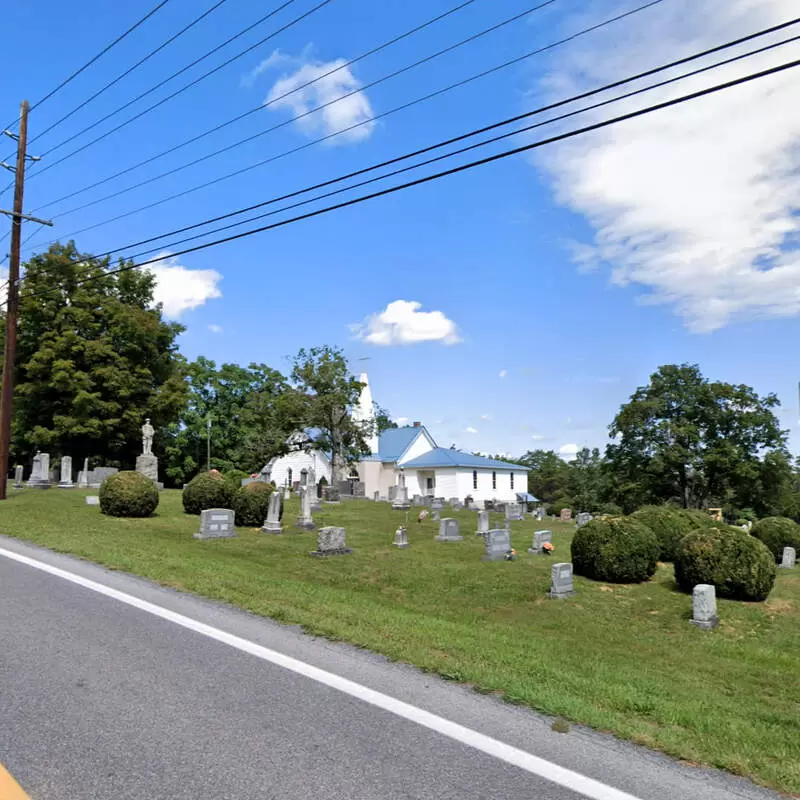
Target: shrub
x,y
618,549
738,565
557,504
777,533
668,526
206,490
609,509
128,494
697,518
235,478
251,503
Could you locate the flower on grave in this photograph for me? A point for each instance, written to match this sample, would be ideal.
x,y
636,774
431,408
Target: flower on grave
x,y
511,555
547,547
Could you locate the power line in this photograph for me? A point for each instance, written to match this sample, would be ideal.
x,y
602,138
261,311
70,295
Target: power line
x,y
178,91
95,58
454,170
460,151
128,71
259,107
307,113
383,115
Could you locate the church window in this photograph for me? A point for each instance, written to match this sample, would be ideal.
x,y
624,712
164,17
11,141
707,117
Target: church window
x,y
474,479
494,480
512,480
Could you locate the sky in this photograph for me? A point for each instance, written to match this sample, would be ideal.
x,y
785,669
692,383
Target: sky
x,y
509,307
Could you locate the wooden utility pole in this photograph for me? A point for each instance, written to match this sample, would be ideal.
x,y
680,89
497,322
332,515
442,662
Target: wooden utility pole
x,y
12,303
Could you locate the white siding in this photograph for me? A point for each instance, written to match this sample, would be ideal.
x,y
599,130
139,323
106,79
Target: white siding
x,y
421,445
447,483
485,491
298,461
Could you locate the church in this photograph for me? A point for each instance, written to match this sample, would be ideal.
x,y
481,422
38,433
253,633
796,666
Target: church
x,y
411,451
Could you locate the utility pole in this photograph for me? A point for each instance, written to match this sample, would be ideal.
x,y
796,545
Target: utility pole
x,y
12,302
208,443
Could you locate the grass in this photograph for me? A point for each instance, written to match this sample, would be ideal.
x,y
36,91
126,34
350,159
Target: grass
x,y
622,659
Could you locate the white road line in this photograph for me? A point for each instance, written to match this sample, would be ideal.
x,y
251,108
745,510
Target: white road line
x,y
486,744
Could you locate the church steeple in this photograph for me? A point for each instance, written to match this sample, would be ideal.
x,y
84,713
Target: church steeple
x,y
364,411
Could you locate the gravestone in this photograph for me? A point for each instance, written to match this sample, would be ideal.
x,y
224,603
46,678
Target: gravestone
x,y
789,558
216,523
427,501
472,507
330,542
498,544
561,581
304,519
483,523
40,472
392,493
449,531
704,607
453,501
92,500
513,512
66,473
287,493
401,537
376,496
539,538
416,500
273,522
332,495
566,514
539,514
437,516
83,475
311,483
583,518
147,463
457,506
437,503
18,477
99,474
400,502
499,507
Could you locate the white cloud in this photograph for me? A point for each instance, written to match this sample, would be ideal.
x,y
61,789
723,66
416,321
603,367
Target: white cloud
x,y
215,328
402,322
503,373
537,437
470,429
181,289
568,451
275,58
339,91
486,416
402,421
698,203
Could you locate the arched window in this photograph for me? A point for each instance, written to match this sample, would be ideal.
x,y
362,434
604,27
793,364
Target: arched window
x,y
474,479
289,477
494,480
512,480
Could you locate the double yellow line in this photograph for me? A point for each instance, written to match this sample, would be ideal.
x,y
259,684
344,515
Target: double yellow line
x,y
9,788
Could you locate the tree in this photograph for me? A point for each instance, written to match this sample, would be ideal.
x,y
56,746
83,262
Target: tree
x,y
585,479
547,474
94,359
383,422
326,393
241,403
683,438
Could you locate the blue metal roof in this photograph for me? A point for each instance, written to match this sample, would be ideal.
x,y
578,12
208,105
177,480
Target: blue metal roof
x,y
395,441
442,457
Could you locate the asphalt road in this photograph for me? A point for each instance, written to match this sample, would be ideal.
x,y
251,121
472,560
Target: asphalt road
x,y
102,700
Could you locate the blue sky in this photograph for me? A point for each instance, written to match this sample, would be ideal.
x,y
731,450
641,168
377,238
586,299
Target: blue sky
x,y
548,287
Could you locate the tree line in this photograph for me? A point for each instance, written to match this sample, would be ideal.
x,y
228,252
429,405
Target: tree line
x,y
96,357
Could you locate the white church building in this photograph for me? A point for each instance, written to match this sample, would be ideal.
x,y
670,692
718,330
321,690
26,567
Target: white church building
x,y
411,451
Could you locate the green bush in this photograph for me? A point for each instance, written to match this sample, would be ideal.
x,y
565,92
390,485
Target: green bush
x,y
667,524
235,478
609,510
207,490
557,504
251,503
617,549
777,533
738,565
128,494
696,518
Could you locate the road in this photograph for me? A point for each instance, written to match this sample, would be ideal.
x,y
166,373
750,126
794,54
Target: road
x,y
152,693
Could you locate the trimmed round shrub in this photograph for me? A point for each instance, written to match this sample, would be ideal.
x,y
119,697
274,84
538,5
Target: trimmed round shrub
x,y
206,490
737,564
251,503
777,533
697,518
617,550
128,494
610,510
235,478
668,526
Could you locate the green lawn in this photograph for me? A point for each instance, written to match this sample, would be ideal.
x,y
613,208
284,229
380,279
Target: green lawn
x,y
618,658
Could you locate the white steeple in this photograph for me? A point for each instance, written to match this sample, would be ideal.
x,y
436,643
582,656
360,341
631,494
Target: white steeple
x,y
364,411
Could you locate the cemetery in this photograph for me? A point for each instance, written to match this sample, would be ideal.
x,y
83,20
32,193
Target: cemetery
x,y
573,624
